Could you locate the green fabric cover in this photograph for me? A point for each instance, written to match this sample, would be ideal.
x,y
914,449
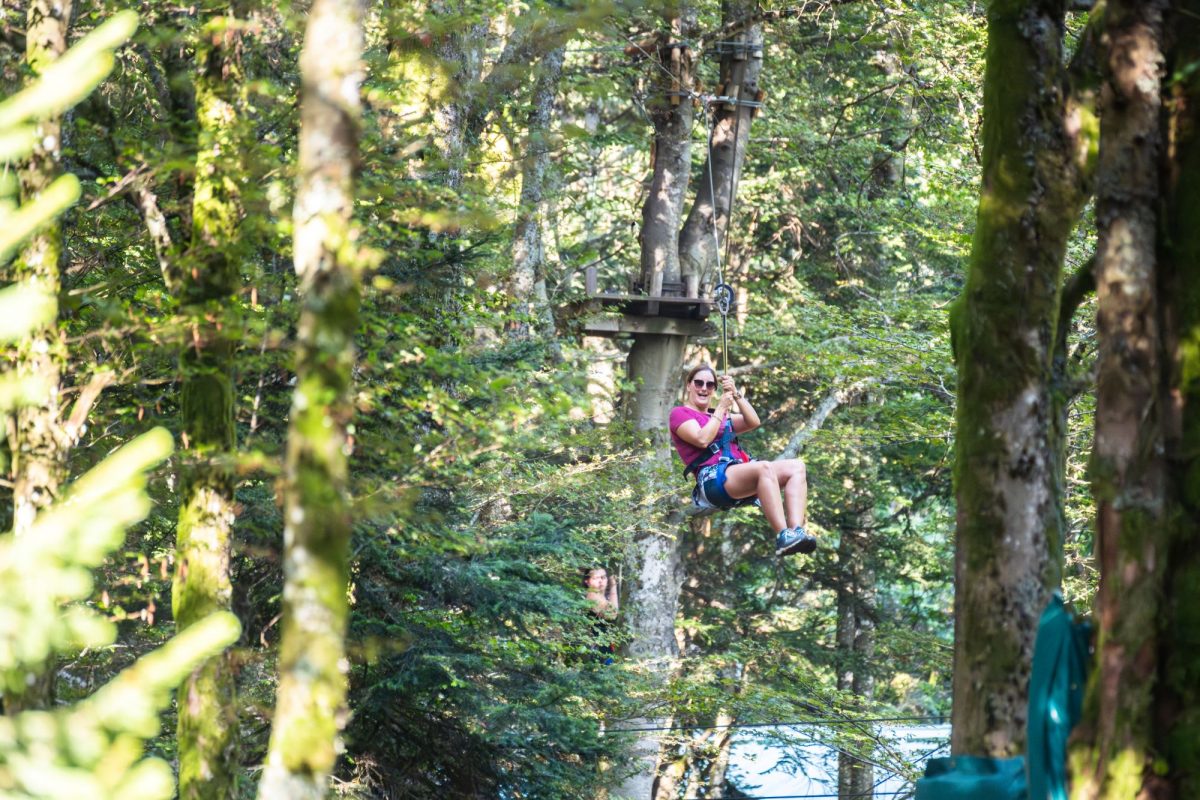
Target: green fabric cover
x,y
973,778
1060,667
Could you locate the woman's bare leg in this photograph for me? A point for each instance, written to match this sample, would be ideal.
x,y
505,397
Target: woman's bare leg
x,y
793,478
758,478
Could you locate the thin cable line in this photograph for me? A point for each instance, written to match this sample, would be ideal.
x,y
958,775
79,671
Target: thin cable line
x,y
899,793
711,126
782,724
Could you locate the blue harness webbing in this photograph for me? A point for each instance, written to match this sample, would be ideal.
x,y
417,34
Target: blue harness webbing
x,y
713,488
722,446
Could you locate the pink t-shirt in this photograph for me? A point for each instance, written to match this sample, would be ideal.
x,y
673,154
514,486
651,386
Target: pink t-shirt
x,y
689,452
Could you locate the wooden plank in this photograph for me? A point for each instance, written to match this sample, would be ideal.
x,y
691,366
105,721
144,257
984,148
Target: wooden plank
x,y
611,299
609,325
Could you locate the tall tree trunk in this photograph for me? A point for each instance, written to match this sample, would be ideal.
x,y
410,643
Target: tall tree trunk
x,y
207,728
38,443
39,451
718,766
310,702
1115,753
856,646
455,108
670,108
529,256
656,572
1008,539
708,220
887,165
1177,701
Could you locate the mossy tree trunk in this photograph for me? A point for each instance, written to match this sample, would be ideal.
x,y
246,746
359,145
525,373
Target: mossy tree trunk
x,y
455,104
206,288
855,644
310,701
1008,533
527,286
656,568
1114,747
887,165
38,441
39,447
1176,730
1178,693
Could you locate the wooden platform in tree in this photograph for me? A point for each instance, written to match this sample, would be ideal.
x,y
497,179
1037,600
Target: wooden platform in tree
x,y
668,314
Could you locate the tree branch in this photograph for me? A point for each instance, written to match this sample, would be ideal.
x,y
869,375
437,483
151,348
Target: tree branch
x,y
736,26
83,404
527,45
156,226
1075,291
837,397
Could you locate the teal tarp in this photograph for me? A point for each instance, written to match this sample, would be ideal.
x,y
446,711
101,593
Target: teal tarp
x,y
973,778
1060,664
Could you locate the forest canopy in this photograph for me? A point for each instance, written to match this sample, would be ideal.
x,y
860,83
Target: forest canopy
x,y
342,339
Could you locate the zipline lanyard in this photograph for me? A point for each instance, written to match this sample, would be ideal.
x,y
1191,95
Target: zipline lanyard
x,y
723,295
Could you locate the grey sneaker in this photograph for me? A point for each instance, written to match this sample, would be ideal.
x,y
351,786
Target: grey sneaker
x,y
794,540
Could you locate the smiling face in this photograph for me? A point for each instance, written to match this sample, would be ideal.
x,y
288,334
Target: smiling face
x,y
699,394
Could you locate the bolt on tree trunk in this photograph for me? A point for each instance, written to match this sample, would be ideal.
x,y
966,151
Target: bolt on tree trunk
x,y
310,701
1008,539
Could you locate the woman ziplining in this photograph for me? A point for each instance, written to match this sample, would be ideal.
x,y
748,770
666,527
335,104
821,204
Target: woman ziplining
x,y
726,477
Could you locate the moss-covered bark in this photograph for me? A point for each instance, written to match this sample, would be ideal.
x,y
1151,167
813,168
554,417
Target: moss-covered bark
x,y
1113,750
37,441
207,728
527,287
1008,526
310,701
1177,701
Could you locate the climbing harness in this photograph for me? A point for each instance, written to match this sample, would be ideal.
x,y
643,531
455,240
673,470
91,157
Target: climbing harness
x,y
709,495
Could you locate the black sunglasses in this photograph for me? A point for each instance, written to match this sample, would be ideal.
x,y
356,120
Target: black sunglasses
x,y
699,384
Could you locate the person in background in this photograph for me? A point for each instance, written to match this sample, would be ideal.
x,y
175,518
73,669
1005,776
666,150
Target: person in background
x,y
601,591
